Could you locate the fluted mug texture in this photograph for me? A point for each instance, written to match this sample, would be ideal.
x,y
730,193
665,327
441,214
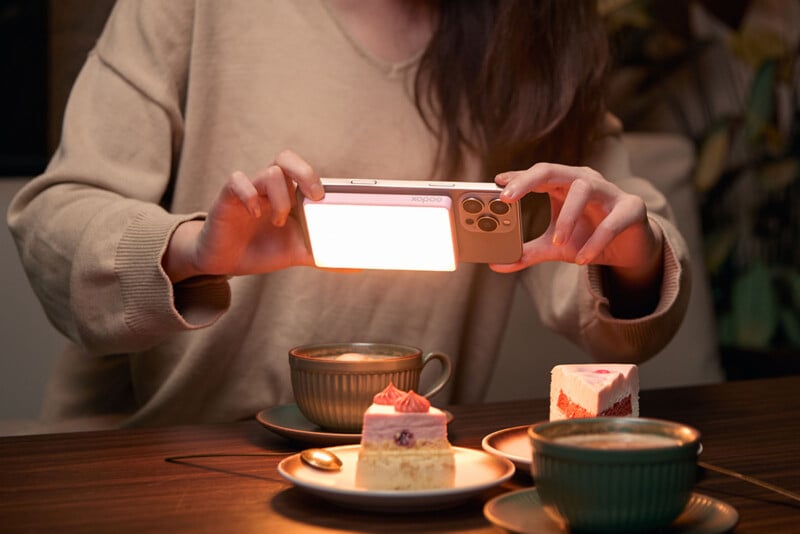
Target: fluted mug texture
x,y
333,391
614,474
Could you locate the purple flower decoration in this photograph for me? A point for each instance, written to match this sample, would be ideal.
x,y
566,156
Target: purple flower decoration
x,y
404,438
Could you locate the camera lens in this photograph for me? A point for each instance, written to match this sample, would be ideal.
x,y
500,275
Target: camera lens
x,y
499,207
472,205
487,223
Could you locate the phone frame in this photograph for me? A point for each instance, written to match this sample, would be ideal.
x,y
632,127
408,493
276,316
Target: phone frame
x,y
473,244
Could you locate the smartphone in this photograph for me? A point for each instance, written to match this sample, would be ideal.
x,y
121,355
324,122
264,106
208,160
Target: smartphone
x,y
410,225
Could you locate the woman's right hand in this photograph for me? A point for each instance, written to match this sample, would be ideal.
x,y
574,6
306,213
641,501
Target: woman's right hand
x,y
248,229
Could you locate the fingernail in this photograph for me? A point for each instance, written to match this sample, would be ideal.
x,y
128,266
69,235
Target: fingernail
x,y
557,239
317,192
580,260
254,208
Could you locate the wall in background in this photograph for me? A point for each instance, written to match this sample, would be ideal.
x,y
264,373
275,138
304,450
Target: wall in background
x,y
29,343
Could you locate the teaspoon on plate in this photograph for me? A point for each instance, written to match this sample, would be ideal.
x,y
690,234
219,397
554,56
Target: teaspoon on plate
x,y
321,459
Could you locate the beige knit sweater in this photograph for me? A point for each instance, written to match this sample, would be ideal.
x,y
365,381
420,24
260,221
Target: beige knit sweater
x,y
177,95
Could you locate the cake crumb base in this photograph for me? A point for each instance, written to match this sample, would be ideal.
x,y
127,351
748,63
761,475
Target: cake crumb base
x,y
389,470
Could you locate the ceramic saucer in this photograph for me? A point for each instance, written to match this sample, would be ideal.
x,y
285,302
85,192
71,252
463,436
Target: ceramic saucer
x,y
522,511
512,443
286,420
476,471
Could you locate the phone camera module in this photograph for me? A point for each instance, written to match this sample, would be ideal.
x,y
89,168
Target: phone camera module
x,y
487,223
472,205
498,207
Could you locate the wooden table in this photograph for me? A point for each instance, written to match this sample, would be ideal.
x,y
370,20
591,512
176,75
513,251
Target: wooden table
x,y
118,481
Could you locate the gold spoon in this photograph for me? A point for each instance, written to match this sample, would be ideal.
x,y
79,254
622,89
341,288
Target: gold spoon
x,y
321,459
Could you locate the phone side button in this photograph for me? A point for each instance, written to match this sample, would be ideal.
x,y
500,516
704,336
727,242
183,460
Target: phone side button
x,y
356,181
441,184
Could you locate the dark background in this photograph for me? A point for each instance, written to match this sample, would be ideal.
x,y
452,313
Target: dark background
x,y
23,86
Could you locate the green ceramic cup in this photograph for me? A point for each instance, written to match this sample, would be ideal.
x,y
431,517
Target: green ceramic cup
x,y
614,474
334,391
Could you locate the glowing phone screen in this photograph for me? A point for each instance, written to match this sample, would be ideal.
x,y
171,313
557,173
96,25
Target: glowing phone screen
x,y
381,231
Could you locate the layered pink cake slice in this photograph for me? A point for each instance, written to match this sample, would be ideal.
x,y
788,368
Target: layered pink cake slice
x,y
594,390
404,444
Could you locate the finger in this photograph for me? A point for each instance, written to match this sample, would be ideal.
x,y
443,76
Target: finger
x,y
303,174
549,176
240,187
514,183
626,213
538,250
504,178
504,268
342,270
541,177
273,185
573,207
516,191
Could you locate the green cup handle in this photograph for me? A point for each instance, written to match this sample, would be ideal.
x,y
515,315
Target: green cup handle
x,y
444,375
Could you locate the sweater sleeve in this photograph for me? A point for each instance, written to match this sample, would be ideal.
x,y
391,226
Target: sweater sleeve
x,y
92,229
570,298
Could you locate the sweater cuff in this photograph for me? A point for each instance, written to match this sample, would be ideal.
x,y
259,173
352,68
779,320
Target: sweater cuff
x,y
150,300
670,284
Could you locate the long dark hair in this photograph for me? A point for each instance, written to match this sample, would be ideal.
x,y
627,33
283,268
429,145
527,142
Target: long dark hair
x,y
514,81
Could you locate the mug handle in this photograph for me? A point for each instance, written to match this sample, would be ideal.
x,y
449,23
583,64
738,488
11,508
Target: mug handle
x,y
444,376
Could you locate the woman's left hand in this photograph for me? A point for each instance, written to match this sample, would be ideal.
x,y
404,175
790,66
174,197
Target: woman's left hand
x,y
592,221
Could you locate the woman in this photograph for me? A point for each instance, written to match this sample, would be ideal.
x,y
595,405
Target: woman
x,y
161,239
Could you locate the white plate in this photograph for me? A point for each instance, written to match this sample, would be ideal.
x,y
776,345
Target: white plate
x,y
521,511
512,443
288,421
476,471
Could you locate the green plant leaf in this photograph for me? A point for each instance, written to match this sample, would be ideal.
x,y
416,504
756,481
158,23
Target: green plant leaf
x,y
726,329
793,280
778,175
754,45
755,307
712,157
791,326
761,101
718,247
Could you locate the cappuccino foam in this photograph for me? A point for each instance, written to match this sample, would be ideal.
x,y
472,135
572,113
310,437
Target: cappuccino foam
x,y
619,440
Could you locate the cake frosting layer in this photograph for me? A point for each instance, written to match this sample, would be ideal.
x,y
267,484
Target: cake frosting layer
x,y
590,390
382,424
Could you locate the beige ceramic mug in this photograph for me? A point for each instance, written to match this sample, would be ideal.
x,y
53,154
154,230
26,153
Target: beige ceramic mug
x,y
334,383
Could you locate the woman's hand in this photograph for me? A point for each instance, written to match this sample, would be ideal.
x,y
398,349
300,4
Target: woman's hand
x,y
592,221
248,228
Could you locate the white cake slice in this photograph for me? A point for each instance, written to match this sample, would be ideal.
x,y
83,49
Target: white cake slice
x,y
404,444
594,390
